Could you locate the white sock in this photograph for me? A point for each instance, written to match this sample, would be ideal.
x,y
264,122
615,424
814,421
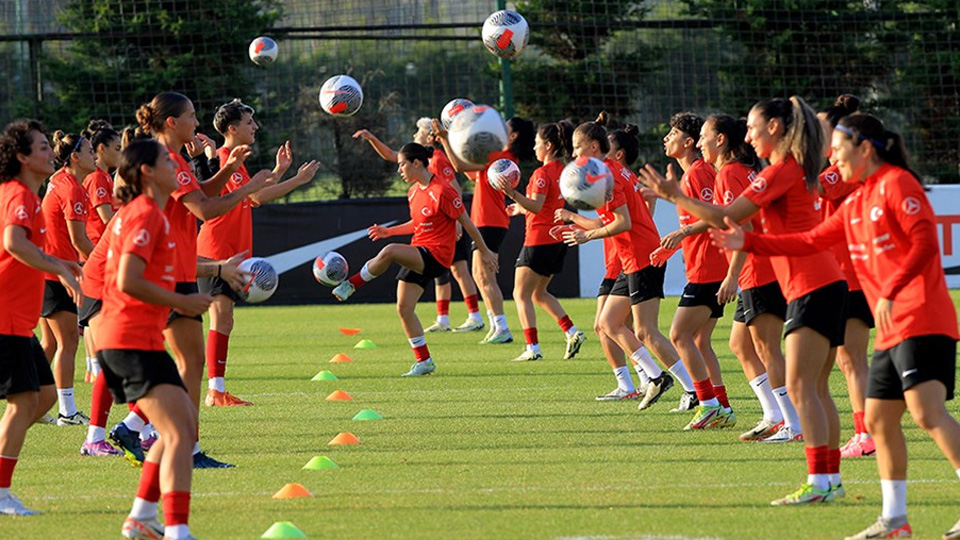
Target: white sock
x,y
148,431
761,387
894,498
819,481
641,374
143,509
176,532
624,382
712,402
134,422
491,321
216,383
680,372
501,322
642,358
89,367
94,365
443,320
534,348
958,473
835,479
789,413
475,316
67,405
196,448
96,434
572,331
864,436
365,273
418,341
4,493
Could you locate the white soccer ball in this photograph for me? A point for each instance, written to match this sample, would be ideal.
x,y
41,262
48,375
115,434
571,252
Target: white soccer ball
x,y
505,33
477,132
341,95
263,51
452,109
264,282
330,269
586,183
503,172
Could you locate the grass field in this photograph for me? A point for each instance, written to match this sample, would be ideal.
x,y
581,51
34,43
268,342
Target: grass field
x,y
482,449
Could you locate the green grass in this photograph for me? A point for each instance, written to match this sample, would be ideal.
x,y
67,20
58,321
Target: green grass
x,y
483,449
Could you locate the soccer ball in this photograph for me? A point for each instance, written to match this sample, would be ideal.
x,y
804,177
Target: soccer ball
x,y
505,33
586,183
341,95
263,51
452,109
330,269
477,132
264,282
502,172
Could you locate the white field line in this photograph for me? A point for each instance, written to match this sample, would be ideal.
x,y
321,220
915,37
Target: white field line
x,y
417,391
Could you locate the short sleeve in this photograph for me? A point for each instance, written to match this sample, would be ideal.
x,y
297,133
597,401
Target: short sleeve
x,y
141,233
539,182
619,197
766,187
21,211
75,205
100,190
186,184
701,185
450,202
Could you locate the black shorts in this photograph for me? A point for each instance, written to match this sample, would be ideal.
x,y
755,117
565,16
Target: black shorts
x,y
821,310
89,307
546,260
641,286
606,286
759,300
55,299
215,286
431,270
461,252
492,237
858,308
130,374
703,294
184,287
23,365
911,362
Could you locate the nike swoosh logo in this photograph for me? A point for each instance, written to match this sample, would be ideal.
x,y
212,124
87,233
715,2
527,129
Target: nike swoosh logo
x,y
908,373
593,178
788,321
689,296
747,311
171,245
293,258
43,230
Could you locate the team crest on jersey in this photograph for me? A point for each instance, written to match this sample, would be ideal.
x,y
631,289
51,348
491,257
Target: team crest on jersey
x,y
78,208
706,194
831,178
541,183
447,171
21,212
142,238
457,203
183,178
759,184
101,192
426,212
910,206
727,197
876,213
237,178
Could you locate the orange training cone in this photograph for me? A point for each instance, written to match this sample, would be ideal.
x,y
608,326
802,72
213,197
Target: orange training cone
x,y
292,491
350,331
344,439
339,395
340,358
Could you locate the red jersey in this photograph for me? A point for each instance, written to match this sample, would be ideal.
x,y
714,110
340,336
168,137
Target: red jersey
x,y
611,261
183,224
434,210
99,188
732,179
890,229
23,285
786,206
488,208
703,262
545,180
835,190
224,236
93,269
64,201
139,228
440,166
635,245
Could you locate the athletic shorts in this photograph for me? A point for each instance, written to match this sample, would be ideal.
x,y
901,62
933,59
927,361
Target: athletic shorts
x,y
55,299
215,286
703,294
858,308
89,307
431,270
911,362
822,310
759,300
492,236
641,286
606,286
23,365
184,287
460,253
130,374
546,260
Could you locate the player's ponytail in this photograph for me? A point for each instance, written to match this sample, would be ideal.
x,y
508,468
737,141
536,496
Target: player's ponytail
x,y
64,145
152,117
129,183
522,144
557,137
888,144
416,152
626,140
802,136
734,132
16,139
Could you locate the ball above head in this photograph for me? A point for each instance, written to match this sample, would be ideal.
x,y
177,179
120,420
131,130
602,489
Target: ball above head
x,y
264,282
263,51
503,172
451,109
476,133
586,183
505,33
330,269
341,95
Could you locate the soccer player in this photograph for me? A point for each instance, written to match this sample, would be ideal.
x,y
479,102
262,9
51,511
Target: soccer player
x,y
441,167
788,133
435,208
26,382
138,295
231,233
542,255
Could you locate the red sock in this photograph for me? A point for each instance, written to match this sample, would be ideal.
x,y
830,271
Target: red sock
x,y
100,403
149,488
421,352
818,459
135,409
565,323
704,390
6,470
721,393
859,426
356,281
176,508
833,461
443,307
531,335
217,344
472,305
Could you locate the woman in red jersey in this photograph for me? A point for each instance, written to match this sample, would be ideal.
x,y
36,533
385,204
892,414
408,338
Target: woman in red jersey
x,y
138,295
26,382
542,255
441,167
435,209
890,227
789,134
488,210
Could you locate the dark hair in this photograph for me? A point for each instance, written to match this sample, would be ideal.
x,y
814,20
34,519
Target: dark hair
x,y
230,114
152,116
415,152
802,137
688,123
734,131
627,140
522,146
65,145
16,139
560,135
889,145
100,132
844,105
595,131
139,152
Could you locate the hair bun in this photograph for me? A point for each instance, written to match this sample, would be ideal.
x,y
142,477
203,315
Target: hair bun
x,y
58,136
848,102
145,117
602,118
631,129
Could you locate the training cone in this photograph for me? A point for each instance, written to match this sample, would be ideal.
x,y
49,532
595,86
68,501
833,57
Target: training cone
x,y
339,395
318,463
344,439
325,376
350,331
340,358
283,529
368,414
365,344
292,491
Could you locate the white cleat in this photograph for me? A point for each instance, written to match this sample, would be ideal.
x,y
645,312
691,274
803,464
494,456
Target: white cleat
x,y
470,325
783,435
438,327
11,506
75,419
618,394
421,368
883,528
574,343
142,529
528,356
688,402
343,290
498,338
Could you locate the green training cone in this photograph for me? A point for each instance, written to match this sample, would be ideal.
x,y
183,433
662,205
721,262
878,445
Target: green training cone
x,y
365,344
368,414
318,463
283,529
325,376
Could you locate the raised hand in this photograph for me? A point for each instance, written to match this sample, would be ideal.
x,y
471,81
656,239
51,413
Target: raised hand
x,y
731,239
665,187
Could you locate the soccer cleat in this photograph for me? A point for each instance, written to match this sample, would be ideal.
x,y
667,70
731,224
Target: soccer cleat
x,y
47,419
953,533
726,419
528,356
882,528
763,429
343,291
499,338
574,343
437,327
127,441
148,442
836,492
98,449
223,399
655,389
490,333
858,446
618,394
421,368
75,419
688,402
470,325
11,506
783,435
202,461
807,494
704,417
147,529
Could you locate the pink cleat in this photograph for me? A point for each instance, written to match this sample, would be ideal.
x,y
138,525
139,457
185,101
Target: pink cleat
x,y
98,449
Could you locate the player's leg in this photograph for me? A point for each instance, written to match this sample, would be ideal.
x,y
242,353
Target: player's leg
x,y
218,343
63,326
402,254
852,360
468,288
408,294
524,284
443,291
741,344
